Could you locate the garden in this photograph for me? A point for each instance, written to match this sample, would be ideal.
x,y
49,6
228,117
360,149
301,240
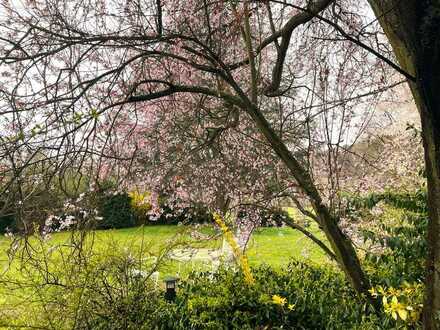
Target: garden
x,y
117,278
230,164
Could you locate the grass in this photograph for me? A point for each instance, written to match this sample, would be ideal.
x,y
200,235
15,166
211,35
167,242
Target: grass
x,y
273,246
20,302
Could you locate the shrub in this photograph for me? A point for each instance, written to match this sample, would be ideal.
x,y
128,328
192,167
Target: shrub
x,y
7,218
83,290
7,222
121,299
264,217
188,215
398,224
140,203
300,296
273,218
116,211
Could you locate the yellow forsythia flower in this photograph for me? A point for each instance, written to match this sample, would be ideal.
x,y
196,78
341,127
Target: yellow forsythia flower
x,y
239,256
140,202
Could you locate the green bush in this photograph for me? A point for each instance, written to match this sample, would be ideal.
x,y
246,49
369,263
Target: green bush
x,y
120,210
127,302
7,222
266,218
115,291
189,215
404,244
415,202
116,211
398,223
300,296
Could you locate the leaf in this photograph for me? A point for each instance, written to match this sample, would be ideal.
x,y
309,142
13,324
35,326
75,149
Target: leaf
x,y
402,313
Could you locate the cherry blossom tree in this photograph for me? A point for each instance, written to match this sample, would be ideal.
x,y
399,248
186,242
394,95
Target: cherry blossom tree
x,y
223,103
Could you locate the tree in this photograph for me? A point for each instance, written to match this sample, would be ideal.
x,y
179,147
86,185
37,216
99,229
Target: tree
x,y
412,28
82,79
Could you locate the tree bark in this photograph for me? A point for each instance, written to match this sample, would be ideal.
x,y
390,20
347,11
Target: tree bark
x,y
341,245
431,141
412,27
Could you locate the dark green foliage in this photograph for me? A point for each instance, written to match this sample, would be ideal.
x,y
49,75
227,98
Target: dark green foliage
x,y
316,298
7,223
172,216
273,219
404,257
266,218
401,231
319,298
116,211
415,202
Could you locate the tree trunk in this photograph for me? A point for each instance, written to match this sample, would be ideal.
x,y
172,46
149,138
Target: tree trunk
x,y
412,27
431,141
340,243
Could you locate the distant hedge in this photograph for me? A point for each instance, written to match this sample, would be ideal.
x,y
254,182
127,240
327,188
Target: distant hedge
x,y
116,211
122,210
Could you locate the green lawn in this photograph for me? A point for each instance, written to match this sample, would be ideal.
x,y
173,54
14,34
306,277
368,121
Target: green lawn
x,y
22,290
274,246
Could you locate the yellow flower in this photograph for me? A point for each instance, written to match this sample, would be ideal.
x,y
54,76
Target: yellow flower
x,y
373,292
291,307
395,308
239,256
278,300
140,202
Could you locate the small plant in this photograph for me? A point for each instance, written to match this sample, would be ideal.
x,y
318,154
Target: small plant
x,y
403,304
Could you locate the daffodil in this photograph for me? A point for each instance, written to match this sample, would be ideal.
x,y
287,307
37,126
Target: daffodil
x,y
278,300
